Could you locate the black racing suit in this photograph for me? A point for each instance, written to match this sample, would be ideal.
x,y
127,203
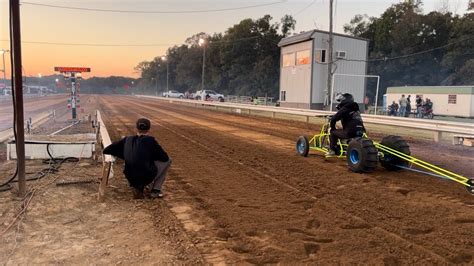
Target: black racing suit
x,y
140,154
352,125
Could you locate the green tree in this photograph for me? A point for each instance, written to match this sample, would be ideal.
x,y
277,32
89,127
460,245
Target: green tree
x,y
421,49
244,60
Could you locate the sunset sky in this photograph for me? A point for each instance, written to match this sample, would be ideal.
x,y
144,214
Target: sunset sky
x,y
53,25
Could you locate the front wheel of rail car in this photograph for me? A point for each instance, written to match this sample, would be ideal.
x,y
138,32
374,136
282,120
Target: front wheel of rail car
x,y
361,155
302,146
390,161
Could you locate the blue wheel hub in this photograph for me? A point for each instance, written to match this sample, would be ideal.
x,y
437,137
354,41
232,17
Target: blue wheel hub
x,y
301,147
354,156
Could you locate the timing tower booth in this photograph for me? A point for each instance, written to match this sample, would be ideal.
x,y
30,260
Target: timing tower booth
x,y
304,68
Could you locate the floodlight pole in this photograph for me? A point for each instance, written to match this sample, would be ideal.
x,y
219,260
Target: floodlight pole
x,y
330,53
18,94
4,70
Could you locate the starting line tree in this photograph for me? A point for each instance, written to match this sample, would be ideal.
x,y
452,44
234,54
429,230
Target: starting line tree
x,y
74,75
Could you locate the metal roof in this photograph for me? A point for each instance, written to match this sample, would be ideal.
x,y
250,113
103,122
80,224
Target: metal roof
x,y
308,35
433,89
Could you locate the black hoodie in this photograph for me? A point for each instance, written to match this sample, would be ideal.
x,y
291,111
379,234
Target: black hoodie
x,y
140,154
349,115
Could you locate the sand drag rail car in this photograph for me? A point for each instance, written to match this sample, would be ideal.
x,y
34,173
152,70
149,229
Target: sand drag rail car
x,y
363,155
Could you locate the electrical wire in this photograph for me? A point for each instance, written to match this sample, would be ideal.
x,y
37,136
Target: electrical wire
x,y
304,8
129,45
154,12
6,185
409,55
53,167
96,44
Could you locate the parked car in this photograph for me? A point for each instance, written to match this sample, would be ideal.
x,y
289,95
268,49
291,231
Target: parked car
x,y
208,95
173,94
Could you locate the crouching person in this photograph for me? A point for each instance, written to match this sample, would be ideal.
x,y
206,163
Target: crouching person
x,y
146,163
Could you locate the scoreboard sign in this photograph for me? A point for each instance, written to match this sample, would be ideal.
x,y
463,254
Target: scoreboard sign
x,y
72,69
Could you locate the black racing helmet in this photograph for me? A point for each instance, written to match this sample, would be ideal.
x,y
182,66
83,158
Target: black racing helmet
x,y
343,99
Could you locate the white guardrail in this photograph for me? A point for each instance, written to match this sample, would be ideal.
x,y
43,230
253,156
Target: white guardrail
x,y
104,137
436,126
108,160
36,122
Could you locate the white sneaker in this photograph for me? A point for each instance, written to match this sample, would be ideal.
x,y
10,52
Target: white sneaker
x,y
331,153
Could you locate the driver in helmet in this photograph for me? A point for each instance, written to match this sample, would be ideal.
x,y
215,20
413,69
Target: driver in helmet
x,y
349,115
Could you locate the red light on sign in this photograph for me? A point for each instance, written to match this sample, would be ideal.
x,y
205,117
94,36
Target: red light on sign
x,y
72,69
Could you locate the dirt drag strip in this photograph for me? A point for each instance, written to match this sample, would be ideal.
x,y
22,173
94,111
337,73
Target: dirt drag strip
x,y
32,106
260,203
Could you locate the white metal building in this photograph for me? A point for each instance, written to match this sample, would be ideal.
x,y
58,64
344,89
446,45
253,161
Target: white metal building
x,y
304,68
447,100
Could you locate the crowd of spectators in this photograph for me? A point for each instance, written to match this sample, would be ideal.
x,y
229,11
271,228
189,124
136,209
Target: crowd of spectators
x,y
404,107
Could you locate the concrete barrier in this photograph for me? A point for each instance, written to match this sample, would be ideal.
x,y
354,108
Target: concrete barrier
x,y
59,146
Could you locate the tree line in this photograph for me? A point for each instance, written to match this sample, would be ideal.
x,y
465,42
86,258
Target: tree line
x,y
242,61
410,48
406,47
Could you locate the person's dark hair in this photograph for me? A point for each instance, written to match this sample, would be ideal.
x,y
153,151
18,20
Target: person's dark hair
x,y
143,124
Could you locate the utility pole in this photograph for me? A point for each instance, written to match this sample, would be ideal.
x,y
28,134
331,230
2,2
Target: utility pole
x,y
202,42
203,67
330,54
167,75
18,94
156,84
164,58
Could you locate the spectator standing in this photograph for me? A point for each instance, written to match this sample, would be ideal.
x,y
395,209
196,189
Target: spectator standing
x,y
366,103
408,108
419,106
402,105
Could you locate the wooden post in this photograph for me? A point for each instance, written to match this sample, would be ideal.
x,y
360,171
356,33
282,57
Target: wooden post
x,y
106,168
17,83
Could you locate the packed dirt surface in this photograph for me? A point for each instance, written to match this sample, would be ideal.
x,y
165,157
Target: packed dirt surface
x,y
243,195
33,106
65,223
238,193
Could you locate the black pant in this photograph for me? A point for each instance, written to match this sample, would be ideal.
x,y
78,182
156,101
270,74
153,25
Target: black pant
x,y
334,136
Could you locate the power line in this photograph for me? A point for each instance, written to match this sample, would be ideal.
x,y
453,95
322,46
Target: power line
x,y
154,12
408,55
130,45
96,44
304,8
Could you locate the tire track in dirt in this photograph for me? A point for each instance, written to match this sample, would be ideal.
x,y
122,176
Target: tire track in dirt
x,y
390,233
410,230
423,184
